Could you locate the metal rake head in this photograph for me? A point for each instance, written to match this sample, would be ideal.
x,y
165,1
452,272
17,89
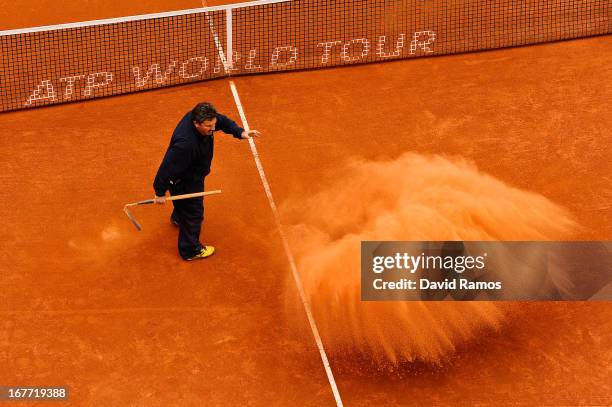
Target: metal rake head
x,y
131,217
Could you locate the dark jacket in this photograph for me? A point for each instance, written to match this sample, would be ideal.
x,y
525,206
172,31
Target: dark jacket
x,y
189,154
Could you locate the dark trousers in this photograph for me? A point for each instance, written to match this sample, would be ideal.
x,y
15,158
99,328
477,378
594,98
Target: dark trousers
x,y
189,214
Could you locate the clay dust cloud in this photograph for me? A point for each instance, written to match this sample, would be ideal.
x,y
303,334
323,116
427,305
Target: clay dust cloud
x,y
413,197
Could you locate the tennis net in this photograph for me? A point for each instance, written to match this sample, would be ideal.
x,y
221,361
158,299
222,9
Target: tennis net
x,y
72,62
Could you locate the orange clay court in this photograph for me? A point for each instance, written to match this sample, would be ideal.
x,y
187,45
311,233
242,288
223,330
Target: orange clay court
x,y
518,138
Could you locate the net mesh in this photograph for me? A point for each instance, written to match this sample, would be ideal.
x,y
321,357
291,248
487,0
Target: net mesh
x,y
42,67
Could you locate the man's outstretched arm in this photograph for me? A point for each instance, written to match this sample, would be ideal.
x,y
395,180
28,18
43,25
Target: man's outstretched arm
x,y
227,125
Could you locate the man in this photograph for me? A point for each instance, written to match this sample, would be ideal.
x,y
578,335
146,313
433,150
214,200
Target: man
x,y
182,171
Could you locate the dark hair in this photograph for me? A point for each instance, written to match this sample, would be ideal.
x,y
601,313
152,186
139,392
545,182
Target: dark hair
x,y
203,111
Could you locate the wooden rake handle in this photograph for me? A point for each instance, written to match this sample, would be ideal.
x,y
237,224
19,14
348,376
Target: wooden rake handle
x,y
177,197
170,198
194,195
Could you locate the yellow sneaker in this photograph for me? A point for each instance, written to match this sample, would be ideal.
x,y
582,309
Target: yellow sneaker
x,y
206,251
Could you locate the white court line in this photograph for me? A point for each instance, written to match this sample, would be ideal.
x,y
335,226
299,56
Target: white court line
x,y
226,65
294,271
229,34
211,24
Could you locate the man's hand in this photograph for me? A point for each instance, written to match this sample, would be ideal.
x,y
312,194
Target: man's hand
x,y
250,134
160,200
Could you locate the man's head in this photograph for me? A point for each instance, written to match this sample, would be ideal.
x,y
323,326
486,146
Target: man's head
x,y
204,117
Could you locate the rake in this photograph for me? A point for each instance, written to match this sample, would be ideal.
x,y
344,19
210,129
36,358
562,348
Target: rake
x,y
131,217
